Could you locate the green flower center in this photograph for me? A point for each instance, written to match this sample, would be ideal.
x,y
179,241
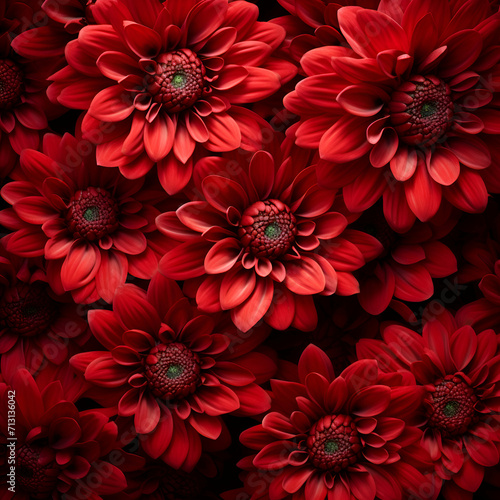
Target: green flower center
x,y
91,214
272,231
331,446
179,80
428,109
174,371
451,408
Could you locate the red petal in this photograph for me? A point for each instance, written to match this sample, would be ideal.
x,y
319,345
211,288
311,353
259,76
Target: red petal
x,y
370,401
369,32
236,287
148,414
222,256
186,260
304,276
443,166
112,104
255,307
80,265
159,137
134,311
314,360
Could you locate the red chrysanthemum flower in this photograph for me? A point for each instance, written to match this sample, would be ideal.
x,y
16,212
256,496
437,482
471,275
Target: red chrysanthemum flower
x,y
24,107
170,370
460,371
59,451
409,112
166,77
314,23
36,325
345,437
409,263
265,241
92,225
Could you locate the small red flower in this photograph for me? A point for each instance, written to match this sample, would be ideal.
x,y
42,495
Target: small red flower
x,y
410,262
92,225
459,369
59,451
36,325
171,371
168,77
406,113
342,437
263,241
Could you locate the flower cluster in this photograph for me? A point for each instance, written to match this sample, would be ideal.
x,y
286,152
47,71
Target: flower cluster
x,y
249,249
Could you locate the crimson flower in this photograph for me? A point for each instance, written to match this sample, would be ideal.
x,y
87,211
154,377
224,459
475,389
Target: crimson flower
x,y
60,452
36,324
171,371
262,242
459,370
345,437
410,262
92,225
406,113
167,77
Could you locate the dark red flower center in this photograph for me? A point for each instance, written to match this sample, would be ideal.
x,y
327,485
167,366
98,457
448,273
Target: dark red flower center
x,y
92,214
33,475
421,110
268,228
172,371
179,80
27,310
333,443
11,84
450,406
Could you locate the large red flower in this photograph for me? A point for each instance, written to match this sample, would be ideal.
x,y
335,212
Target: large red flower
x,y
167,77
409,111
171,371
59,451
460,370
36,325
92,225
345,437
263,241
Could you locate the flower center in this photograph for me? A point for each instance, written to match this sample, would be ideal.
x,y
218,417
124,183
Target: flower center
x,y
450,406
268,228
172,371
334,443
11,84
92,214
179,80
27,310
421,110
32,476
